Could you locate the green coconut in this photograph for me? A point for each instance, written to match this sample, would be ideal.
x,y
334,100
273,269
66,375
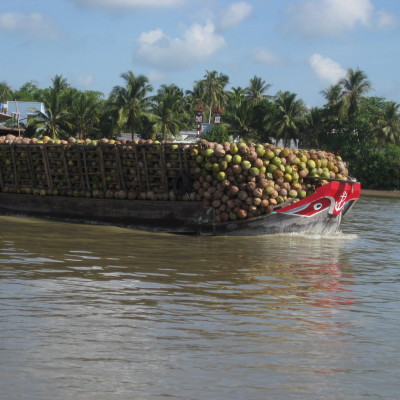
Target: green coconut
x,y
237,159
228,158
311,164
260,150
246,164
269,155
254,171
234,148
276,161
221,176
208,152
272,168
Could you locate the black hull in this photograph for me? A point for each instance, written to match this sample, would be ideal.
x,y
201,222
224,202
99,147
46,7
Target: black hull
x,y
160,216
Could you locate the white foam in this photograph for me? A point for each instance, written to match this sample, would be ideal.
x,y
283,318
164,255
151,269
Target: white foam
x,y
320,236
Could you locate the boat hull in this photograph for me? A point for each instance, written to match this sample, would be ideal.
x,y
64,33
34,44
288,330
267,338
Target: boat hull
x,y
319,213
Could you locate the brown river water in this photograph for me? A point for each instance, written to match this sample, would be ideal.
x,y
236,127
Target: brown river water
x,y
105,313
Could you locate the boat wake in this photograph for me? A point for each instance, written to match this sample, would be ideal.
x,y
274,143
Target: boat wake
x,y
320,236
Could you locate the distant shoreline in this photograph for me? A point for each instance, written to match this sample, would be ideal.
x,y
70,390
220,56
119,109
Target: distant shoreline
x,y
380,193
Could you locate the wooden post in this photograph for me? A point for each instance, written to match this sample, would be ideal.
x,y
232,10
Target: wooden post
x,y
46,166
145,168
85,168
119,167
14,165
30,165
99,150
64,160
163,167
1,176
137,166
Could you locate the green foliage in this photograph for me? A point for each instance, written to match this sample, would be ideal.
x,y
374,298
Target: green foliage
x,y
216,134
377,168
6,93
365,131
29,91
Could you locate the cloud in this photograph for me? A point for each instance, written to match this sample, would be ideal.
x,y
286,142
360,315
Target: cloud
x,y
266,56
157,49
326,69
126,4
385,20
34,24
235,14
84,79
316,18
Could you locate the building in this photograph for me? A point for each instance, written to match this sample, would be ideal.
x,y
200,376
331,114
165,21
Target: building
x,y
21,111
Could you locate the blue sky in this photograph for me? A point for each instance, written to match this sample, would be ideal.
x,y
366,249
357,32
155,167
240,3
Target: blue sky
x,y
298,45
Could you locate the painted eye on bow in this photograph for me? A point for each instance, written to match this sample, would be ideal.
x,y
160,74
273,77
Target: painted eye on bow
x,y
317,206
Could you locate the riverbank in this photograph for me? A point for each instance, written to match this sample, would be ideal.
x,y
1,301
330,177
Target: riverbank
x,y
380,193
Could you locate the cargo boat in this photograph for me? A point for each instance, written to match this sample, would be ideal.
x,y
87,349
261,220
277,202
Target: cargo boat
x,y
46,169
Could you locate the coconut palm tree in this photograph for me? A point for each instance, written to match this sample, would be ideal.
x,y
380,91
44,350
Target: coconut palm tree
x,y
354,86
168,108
290,116
240,119
131,100
389,125
256,89
313,123
236,96
84,112
55,120
213,90
333,94
6,93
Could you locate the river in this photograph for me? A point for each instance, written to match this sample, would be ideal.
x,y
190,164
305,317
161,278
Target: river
x,y
105,313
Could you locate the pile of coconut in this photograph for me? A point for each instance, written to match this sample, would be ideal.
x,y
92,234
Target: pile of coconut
x,y
242,181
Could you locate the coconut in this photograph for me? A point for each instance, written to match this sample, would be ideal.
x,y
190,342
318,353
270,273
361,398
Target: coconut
x,y
221,176
219,150
237,169
242,195
258,192
216,203
241,213
233,191
254,171
248,201
225,198
258,163
251,186
243,148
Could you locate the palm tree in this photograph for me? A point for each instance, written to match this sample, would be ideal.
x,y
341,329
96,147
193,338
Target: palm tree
x,y
389,125
290,116
236,96
131,101
333,94
168,107
213,90
84,112
354,85
6,93
55,120
313,127
240,118
256,89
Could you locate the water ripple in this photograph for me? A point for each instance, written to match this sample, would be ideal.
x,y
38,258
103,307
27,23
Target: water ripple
x,y
108,313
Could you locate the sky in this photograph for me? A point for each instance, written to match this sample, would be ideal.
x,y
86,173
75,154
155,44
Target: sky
x,y
301,46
